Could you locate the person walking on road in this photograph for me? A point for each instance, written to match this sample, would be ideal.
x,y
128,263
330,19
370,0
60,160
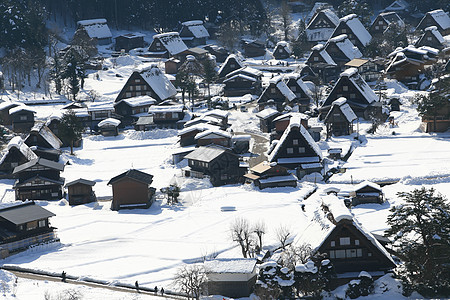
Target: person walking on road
x,y
136,284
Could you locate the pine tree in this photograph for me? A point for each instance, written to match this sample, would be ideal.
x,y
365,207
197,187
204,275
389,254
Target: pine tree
x,y
358,7
420,228
209,76
73,72
70,128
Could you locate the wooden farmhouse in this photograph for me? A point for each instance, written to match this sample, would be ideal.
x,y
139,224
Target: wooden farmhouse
x,y
318,6
266,174
39,179
369,69
282,50
219,52
367,192
193,33
361,98
97,112
340,117
322,64
22,118
213,136
219,164
399,6
438,18
17,153
53,123
276,93
266,117
5,118
351,26
253,48
46,144
150,82
243,81
131,189
80,191
431,38
144,123
303,95
132,108
296,149
232,63
385,21
342,50
220,115
109,127
22,225
168,116
187,135
407,64
129,41
96,29
240,143
204,119
230,277
165,45
321,26
349,246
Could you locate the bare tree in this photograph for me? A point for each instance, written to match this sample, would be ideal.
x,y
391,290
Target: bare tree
x,y
190,280
283,235
293,255
259,229
242,234
228,34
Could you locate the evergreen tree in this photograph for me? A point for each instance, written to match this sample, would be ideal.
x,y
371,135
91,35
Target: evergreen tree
x,y
210,76
301,44
420,228
70,128
359,7
73,72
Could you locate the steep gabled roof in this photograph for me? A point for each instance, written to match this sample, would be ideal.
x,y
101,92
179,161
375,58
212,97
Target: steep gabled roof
x,y
357,28
434,31
19,144
82,181
392,17
295,122
133,174
196,28
360,84
343,106
96,28
230,57
345,45
47,135
172,42
398,5
440,17
159,83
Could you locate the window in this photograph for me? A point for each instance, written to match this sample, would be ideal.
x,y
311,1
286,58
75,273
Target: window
x,y
223,177
429,38
316,58
340,254
23,118
344,88
273,90
138,87
295,142
301,150
290,150
127,94
41,223
356,242
344,30
158,44
294,88
369,254
137,80
352,96
232,65
380,22
333,243
350,253
377,27
344,241
174,115
14,164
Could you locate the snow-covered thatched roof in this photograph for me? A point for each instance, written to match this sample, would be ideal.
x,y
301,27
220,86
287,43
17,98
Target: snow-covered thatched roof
x,y
357,28
19,144
47,135
20,108
196,28
230,57
159,83
138,101
346,110
434,31
96,28
109,122
362,86
172,42
345,45
441,18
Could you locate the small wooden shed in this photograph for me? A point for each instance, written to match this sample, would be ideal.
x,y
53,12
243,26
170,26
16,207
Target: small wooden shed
x,y
80,191
109,127
367,192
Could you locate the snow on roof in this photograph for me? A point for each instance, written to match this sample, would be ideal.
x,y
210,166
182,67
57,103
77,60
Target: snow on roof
x,y
239,76
391,17
295,122
246,70
317,6
109,122
367,183
266,113
285,90
398,5
331,15
20,108
19,144
231,265
346,46
434,31
337,207
318,47
357,28
346,110
215,133
231,56
441,18
138,101
165,108
326,57
56,115
159,83
272,179
360,84
7,105
290,115
100,106
285,45
197,28
47,135
304,87
217,112
172,42
96,28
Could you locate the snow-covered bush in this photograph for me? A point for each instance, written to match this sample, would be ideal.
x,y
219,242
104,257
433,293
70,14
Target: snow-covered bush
x,y
363,286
